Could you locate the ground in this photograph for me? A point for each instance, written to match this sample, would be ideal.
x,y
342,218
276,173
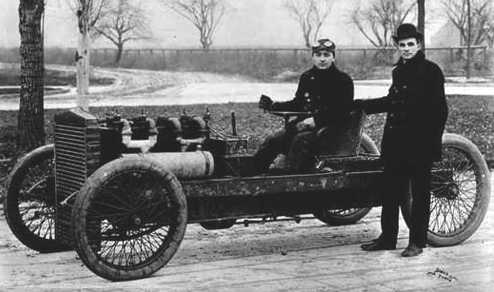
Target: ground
x,y
277,256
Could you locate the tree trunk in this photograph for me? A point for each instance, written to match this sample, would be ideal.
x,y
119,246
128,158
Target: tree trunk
x,y
82,57
469,38
30,122
118,58
205,42
421,20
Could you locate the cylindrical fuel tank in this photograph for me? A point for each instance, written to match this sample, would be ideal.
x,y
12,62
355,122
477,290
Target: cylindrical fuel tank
x,y
185,165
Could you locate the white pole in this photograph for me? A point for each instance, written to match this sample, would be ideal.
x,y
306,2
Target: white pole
x,y
82,57
469,39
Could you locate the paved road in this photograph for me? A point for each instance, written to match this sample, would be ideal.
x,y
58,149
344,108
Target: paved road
x,y
280,256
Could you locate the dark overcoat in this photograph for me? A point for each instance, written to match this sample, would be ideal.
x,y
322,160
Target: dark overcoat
x,y
416,112
327,93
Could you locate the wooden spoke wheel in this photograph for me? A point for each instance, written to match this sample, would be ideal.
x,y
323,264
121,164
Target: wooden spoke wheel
x,y
460,193
351,215
30,202
129,219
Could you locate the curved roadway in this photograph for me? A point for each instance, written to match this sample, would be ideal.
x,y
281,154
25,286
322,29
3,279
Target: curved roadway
x,y
145,87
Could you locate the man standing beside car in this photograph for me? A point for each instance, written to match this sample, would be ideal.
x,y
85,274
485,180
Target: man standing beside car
x,y
323,91
416,114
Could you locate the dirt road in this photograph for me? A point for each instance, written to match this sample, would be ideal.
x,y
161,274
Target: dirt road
x,y
144,87
279,256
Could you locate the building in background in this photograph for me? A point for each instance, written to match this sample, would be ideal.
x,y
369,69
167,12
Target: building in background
x,y
446,36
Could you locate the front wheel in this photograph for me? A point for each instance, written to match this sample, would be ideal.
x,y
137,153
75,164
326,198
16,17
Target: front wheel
x,y
460,193
30,202
129,219
351,215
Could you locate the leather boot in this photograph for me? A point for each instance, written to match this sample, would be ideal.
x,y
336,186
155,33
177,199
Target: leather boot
x,y
377,244
411,250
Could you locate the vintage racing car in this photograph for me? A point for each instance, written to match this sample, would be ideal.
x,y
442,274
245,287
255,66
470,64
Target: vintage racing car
x,y
121,192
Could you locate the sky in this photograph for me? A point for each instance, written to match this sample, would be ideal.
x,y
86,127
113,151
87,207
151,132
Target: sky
x,y
248,23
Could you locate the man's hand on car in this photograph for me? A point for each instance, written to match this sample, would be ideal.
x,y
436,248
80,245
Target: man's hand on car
x,y
307,124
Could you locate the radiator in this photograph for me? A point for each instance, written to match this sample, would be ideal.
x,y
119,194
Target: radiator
x,y
77,152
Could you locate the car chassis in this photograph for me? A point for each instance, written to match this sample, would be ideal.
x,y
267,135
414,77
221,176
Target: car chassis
x,y
121,192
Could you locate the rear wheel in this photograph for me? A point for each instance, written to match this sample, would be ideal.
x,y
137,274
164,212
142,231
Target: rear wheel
x,y
460,193
351,215
30,202
129,219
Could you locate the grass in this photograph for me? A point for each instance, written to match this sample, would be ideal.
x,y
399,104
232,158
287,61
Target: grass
x,y
469,116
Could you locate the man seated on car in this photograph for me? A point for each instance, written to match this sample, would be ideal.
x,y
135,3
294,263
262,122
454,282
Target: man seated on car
x,y
325,92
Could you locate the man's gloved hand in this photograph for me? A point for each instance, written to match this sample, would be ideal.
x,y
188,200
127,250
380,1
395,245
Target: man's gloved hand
x,y
305,125
265,102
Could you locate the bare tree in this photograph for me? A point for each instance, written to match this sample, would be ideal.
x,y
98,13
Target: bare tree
x,y
205,15
30,122
490,34
310,15
482,20
379,20
89,11
122,22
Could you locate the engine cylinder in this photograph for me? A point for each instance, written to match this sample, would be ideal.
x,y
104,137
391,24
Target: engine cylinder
x,y
184,165
169,129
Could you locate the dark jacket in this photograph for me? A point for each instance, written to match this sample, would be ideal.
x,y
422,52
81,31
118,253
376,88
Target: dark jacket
x,y
417,112
327,93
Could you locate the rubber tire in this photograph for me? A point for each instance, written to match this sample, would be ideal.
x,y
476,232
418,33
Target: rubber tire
x,y
11,202
481,204
90,190
334,219
218,224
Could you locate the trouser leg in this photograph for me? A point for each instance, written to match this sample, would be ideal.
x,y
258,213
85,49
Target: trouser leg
x,y
421,199
396,186
269,149
301,153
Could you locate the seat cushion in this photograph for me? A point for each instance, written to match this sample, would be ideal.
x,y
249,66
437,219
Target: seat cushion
x,y
342,139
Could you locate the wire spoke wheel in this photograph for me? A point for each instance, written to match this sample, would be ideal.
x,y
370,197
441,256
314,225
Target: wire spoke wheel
x,y
129,219
453,198
30,202
460,190
350,215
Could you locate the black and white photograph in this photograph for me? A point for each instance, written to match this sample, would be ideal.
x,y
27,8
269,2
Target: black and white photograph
x,y
246,145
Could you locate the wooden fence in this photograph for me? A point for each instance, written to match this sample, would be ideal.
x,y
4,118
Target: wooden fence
x,y
267,63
